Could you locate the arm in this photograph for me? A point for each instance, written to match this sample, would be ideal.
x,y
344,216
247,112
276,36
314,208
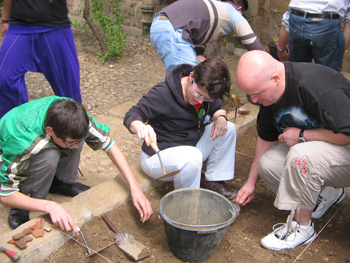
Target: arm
x,y
59,215
139,199
291,136
246,193
5,15
282,44
346,31
220,124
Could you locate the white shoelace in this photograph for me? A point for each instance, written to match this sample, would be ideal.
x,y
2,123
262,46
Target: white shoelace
x,y
285,230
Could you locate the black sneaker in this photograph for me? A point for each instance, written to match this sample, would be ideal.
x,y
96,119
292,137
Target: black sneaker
x,y
17,217
59,187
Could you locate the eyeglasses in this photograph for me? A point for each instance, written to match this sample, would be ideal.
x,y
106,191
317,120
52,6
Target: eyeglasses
x,y
198,95
71,147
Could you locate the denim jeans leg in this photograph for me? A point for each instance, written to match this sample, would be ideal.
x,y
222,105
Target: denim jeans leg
x,y
329,44
169,44
299,45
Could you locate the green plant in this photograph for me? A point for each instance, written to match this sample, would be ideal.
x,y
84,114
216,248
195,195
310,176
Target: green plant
x,y
111,28
76,22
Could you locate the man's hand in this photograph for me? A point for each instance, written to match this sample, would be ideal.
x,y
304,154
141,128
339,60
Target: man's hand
x,y
4,28
290,136
142,205
61,218
245,194
219,128
283,56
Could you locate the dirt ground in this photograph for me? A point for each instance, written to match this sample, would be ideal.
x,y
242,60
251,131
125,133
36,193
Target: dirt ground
x,y
242,241
240,244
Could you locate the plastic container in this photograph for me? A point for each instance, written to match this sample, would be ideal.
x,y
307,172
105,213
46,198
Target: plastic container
x,y
195,221
273,49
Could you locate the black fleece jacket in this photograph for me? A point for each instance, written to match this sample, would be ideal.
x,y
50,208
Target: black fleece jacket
x,y
164,108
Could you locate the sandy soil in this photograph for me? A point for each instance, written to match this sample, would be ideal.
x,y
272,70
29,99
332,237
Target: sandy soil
x,y
241,242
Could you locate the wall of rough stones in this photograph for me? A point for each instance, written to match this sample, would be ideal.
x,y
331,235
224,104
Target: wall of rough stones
x,y
264,15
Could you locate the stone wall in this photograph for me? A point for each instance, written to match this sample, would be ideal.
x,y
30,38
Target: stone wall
x,y
264,15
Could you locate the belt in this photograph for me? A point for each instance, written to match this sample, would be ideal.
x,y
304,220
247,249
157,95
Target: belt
x,y
325,15
163,17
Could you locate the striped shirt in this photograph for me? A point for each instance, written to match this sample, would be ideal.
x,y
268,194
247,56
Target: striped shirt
x,y
205,21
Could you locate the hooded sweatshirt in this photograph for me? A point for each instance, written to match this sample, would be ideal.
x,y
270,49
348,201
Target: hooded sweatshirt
x,y
164,108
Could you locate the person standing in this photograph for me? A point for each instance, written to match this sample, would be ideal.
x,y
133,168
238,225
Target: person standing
x,y
37,38
303,147
318,30
180,31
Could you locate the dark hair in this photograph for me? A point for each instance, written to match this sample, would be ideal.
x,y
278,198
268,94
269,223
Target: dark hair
x,y
242,3
213,75
67,118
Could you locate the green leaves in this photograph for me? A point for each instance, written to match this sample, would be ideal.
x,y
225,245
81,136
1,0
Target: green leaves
x,y
110,26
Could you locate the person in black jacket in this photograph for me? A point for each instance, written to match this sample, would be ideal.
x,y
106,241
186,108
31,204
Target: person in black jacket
x,y
173,114
303,146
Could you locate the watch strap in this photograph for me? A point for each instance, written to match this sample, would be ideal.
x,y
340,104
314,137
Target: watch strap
x,y
301,136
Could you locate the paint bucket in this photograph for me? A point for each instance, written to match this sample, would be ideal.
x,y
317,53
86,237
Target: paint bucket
x,y
195,221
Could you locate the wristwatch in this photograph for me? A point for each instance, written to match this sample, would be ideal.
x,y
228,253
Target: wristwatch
x,y
301,136
281,50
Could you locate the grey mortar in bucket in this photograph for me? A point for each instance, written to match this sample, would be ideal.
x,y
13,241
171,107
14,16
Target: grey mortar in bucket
x,y
195,222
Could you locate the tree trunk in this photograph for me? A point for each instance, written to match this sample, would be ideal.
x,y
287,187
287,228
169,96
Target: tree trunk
x,y
94,29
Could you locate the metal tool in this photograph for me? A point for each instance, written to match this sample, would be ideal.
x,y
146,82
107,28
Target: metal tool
x,y
12,254
235,103
126,242
82,236
165,174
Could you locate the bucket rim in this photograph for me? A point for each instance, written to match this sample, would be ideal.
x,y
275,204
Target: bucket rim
x,y
193,227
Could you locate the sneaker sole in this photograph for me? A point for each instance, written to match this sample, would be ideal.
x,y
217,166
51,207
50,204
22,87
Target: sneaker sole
x,y
339,200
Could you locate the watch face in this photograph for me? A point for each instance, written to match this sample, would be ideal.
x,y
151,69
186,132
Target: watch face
x,y
302,139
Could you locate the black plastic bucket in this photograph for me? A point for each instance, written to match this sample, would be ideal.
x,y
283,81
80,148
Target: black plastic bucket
x,y
195,221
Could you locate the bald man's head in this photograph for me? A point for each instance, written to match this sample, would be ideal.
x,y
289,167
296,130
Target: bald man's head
x,y
258,73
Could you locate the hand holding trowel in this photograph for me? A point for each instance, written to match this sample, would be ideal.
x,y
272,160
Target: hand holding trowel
x,y
156,150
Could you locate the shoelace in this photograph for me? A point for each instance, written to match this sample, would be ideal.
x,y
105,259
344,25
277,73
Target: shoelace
x,y
319,201
282,232
285,230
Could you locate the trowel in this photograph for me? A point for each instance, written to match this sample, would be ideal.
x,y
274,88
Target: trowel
x,y
235,103
165,174
126,242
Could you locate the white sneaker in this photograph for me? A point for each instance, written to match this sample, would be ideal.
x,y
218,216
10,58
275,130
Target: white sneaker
x,y
280,239
323,204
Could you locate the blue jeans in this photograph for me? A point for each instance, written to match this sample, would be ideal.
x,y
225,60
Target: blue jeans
x,y
169,44
321,40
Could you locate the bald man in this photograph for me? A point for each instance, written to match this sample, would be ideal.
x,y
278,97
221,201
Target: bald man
x,y
303,146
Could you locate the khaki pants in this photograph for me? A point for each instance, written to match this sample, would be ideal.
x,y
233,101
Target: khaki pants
x,y
296,174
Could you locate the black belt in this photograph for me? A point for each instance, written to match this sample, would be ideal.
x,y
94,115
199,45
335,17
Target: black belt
x,y
325,15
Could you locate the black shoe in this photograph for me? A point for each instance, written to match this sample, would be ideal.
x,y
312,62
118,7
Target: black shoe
x,y
219,187
17,217
59,187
